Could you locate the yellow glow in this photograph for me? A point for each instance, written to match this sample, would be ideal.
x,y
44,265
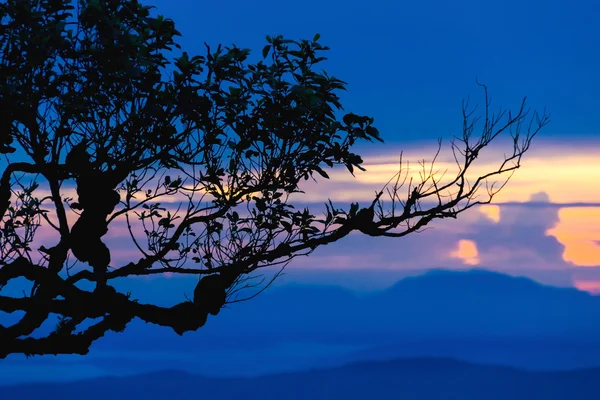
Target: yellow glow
x,y
578,230
467,252
490,211
565,174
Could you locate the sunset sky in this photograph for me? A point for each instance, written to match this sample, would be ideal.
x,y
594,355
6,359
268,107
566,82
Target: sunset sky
x,y
409,65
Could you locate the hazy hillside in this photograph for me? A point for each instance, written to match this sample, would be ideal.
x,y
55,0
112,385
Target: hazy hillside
x,y
439,304
475,316
421,379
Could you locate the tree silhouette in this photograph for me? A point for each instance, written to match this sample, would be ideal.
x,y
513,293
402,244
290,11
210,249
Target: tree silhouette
x,y
96,95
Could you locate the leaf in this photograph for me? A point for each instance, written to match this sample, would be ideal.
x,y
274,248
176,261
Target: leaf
x,y
260,204
175,184
287,226
329,218
316,37
321,172
235,91
373,132
265,50
164,222
350,168
348,119
353,209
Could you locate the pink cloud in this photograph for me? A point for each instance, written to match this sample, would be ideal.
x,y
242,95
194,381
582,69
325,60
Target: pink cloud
x,y
592,287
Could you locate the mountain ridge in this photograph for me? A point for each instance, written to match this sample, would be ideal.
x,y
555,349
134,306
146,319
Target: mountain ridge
x,y
427,378
520,323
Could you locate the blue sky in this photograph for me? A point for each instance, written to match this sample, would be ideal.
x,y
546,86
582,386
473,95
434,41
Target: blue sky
x,y
409,65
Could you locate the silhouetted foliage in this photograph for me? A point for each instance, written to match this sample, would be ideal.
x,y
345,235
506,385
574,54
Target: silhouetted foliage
x,y
98,94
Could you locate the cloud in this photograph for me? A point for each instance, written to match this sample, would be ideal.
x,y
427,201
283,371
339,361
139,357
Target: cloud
x,y
579,231
537,223
563,172
492,212
467,252
588,286
519,237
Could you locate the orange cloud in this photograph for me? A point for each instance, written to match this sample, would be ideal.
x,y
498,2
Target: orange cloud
x,y
492,212
578,230
467,252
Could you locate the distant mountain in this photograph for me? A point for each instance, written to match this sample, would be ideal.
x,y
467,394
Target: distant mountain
x,y
483,303
423,379
529,354
436,305
476,316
